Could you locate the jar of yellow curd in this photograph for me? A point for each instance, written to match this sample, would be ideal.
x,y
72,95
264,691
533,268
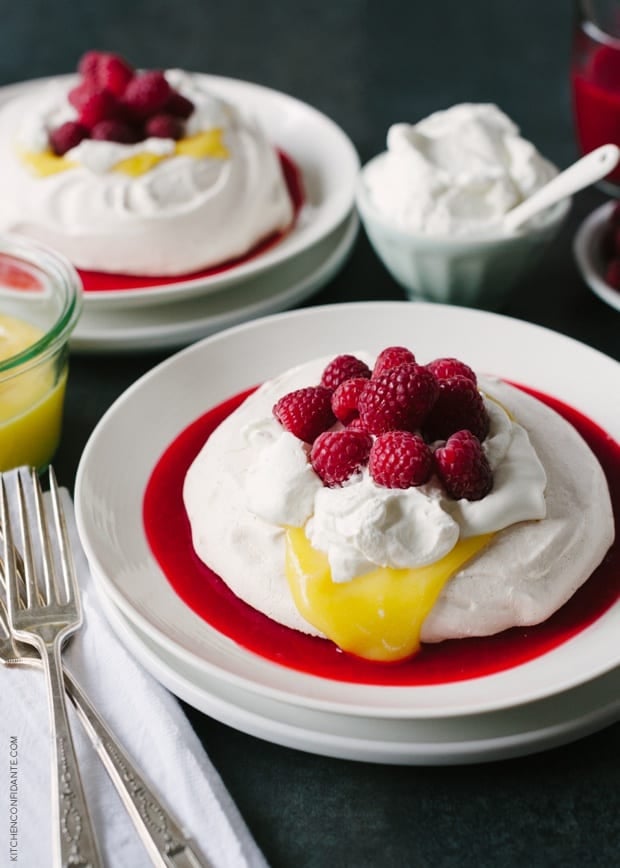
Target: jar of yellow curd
x,y
40,302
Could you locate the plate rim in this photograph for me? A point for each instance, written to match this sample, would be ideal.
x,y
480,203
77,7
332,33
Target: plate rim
x,y
196,328
413,752
582,249
371,310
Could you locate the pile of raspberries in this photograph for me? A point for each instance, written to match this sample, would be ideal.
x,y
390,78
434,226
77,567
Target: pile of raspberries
x,y
114,103
406,421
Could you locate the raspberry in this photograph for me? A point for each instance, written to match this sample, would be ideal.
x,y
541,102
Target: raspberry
x,y
400,398
179,106
356,424
80,93
463,468
113,73
343,368
391,357
97,105
306,413
89,63
443,368
345,398
146,94
336,455
116,131
399,459
459,406
67,136
165,127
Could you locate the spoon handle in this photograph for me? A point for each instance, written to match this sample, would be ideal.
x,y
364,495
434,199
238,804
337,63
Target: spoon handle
x,y
584,172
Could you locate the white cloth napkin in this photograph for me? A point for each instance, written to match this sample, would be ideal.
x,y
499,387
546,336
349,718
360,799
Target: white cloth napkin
x,y
146,720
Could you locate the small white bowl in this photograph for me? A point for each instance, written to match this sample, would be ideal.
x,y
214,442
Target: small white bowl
x,y
469,271
588,248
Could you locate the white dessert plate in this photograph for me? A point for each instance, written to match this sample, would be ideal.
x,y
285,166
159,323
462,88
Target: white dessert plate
x,y
161,326
111,482
432,741
587,248
322,152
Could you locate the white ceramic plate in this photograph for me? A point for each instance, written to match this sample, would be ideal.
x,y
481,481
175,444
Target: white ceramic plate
x,y
111,481
324,155
587,247
436,741
161,326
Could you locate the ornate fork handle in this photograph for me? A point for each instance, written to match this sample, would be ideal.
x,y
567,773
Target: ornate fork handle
x,y
77,843
161,835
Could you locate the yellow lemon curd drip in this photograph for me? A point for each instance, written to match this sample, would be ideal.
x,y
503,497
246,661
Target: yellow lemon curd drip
x,y
43,163
199,146
379,615
31,401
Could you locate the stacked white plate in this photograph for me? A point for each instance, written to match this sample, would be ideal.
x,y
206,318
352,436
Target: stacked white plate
x,y
162,315
559,695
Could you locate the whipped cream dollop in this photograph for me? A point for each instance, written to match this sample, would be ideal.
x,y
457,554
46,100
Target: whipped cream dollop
x,y
457,171
183,215
549,507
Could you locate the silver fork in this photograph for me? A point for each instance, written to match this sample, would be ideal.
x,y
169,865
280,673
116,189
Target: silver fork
x,y
164,840
44,619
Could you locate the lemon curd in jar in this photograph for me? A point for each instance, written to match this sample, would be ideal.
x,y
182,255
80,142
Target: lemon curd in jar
x,y
31,398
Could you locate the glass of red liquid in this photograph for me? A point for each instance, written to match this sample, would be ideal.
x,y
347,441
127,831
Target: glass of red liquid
x,y
595,78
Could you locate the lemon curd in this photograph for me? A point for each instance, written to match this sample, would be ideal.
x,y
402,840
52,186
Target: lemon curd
x,y
31,400
209,143
379,615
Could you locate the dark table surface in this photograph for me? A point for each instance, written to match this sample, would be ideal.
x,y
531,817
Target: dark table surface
x,y
368,64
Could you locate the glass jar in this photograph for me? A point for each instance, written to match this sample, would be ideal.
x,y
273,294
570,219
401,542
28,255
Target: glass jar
x,y
40,303
595,78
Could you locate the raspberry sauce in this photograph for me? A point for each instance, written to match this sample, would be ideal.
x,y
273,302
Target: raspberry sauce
x,y
98,281
168,532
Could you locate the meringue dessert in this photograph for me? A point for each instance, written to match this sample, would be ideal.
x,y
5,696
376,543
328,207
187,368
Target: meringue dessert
x,y
144,173
382,503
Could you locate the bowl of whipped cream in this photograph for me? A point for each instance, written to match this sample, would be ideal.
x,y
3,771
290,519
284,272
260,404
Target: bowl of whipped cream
x,y
433,205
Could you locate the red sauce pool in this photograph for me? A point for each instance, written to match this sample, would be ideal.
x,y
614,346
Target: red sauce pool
x,y
168,532
596,98
97,281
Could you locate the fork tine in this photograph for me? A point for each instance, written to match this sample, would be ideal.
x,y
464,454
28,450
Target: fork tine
x,y
50,586
10,573
19,565
67,563
5,631
30,572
